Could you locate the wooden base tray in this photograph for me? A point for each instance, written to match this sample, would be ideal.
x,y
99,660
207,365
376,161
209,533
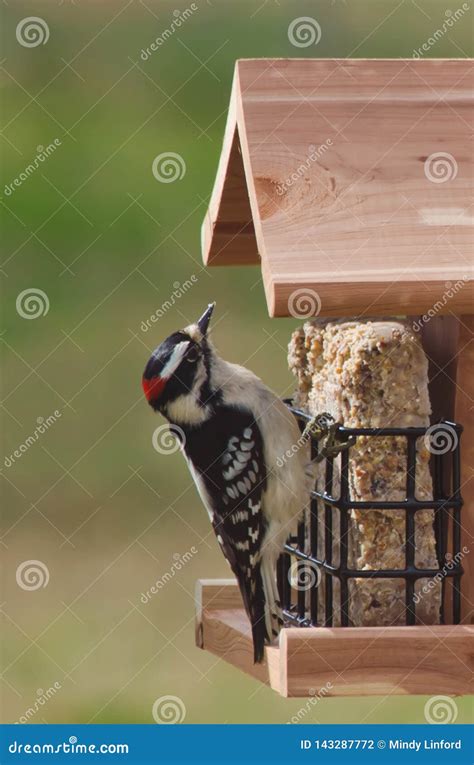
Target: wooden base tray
x,y
350,661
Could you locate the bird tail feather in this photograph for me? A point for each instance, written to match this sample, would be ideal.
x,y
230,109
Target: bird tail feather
x,y
261,601
273,612
254,601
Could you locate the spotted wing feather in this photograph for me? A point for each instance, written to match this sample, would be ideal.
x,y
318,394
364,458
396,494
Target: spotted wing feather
x,y
231,468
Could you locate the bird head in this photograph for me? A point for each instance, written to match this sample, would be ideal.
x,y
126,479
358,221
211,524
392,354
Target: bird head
x,y
179,367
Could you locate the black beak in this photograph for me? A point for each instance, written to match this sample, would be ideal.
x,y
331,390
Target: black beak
x,y
203,322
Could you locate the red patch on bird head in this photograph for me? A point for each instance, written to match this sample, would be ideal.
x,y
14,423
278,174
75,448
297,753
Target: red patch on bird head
x,y
153,387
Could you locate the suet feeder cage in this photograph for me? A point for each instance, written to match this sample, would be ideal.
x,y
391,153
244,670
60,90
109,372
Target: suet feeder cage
x,y
372,229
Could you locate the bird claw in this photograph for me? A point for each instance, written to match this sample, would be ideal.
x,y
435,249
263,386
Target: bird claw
x,y
323,426
318,426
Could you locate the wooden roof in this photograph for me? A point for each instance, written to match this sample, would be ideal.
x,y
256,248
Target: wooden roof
x,y
350,182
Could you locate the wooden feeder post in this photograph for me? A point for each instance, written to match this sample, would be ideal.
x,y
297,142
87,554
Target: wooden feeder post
x,y
352,180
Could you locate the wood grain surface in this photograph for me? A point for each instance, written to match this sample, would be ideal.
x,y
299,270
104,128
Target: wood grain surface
x,y
464,414
347,661
349,196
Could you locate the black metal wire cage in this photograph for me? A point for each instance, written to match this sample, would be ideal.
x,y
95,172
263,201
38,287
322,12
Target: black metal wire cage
x,y
313,545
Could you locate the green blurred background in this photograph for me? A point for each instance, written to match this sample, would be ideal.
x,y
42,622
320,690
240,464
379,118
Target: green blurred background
x,y
106,242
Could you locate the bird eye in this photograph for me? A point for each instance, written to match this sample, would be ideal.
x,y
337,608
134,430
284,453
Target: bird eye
x,y
192,355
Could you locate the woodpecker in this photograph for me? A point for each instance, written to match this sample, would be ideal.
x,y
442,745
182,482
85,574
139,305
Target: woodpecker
x,y
244,451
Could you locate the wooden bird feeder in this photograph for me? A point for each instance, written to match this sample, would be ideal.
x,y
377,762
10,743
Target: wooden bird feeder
x,y
352,180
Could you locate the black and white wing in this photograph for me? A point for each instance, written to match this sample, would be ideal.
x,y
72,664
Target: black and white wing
x,y
229,468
